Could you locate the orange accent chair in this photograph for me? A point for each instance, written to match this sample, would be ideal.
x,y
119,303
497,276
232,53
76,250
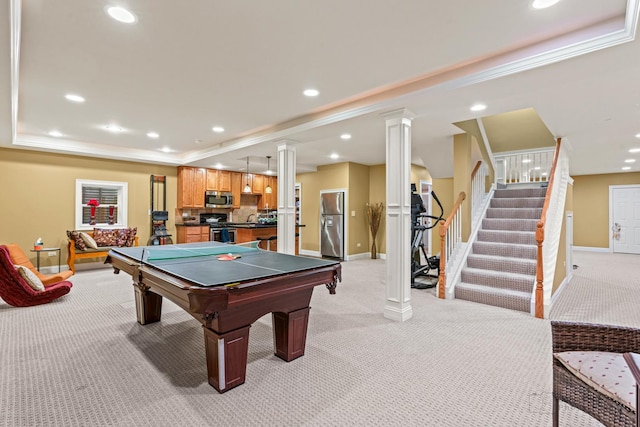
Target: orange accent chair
x,y
15,290
20,258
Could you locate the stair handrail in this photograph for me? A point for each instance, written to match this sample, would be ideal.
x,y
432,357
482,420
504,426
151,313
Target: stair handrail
x,y
449,241
539,294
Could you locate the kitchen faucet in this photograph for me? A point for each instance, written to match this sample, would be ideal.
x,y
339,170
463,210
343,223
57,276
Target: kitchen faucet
x,y
249,217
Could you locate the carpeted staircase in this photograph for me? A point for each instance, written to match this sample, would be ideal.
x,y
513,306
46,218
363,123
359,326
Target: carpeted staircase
x,y
501,267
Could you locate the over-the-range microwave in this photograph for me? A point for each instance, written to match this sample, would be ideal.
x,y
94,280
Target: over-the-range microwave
x,y
218,199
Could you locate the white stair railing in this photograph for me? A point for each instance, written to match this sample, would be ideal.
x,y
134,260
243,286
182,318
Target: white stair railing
x,y
524,166
478,190
450,242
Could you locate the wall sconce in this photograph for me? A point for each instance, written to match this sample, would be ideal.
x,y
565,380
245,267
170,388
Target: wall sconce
x,y
268,190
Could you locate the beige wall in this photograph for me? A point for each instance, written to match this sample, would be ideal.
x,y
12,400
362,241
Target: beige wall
x,y
328,177
378,194
463,165
591,206
561,270
38,198
358,239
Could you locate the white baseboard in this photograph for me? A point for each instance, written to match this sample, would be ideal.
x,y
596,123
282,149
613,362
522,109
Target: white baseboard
x,y
590,249
555,295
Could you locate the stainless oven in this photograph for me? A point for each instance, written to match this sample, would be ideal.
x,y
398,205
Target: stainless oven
x,y
216,234
218,199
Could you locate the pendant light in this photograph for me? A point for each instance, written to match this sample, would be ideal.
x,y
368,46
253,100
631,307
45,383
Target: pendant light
x,y
247,188
268,190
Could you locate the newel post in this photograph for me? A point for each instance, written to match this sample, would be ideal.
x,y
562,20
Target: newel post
x,y
442,278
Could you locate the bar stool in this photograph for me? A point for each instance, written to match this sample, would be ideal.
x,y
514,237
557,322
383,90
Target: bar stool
x,y
268,240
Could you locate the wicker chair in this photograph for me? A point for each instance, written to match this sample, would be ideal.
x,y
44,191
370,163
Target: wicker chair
x,y
567,387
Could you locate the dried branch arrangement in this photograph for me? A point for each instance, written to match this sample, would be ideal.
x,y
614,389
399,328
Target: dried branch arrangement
x,y
374,214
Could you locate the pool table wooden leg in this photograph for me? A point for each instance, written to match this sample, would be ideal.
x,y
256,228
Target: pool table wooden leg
x,y
290,333
148,305
226,357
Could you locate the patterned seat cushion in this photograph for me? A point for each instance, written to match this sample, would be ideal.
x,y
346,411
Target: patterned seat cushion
x,y
606,372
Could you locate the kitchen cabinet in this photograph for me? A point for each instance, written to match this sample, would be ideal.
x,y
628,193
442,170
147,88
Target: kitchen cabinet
x,y
191,187
270,200
218,180
193,234
251,234
257,183
224,181
236,188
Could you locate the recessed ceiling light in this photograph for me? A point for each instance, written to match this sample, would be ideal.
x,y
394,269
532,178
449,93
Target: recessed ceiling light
x,y
74,98
153,135
121,14
544,174
626,168
630,161
537,168
114,128
526,160
219,166
478,107
217,129
334,155
55,133
345,136
542,4
637,135
635,150
311,92
166,150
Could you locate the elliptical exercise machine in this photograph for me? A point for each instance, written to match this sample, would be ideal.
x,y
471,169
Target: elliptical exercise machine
x,y
417,245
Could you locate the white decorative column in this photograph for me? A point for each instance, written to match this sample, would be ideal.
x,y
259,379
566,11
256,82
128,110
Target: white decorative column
x,y
286,198
398,214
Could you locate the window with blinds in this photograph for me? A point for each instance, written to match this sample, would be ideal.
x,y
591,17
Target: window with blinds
x,y
110,210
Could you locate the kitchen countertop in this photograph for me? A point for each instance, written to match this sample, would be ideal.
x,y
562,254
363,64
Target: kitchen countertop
x,y
236,225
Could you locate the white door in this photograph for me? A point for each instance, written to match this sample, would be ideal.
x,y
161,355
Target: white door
x,y
625,228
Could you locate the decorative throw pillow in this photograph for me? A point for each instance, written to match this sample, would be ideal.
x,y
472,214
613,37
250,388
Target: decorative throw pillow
x,y
30,277
75,236
123,237
88,240
105,236
132,236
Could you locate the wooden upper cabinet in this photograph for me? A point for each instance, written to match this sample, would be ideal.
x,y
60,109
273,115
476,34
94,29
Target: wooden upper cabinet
x,y
191,187
257,184
212,180
224,181
236,188
218,180
270,200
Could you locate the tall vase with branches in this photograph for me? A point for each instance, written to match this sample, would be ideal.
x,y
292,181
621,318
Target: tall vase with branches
x,y
374,214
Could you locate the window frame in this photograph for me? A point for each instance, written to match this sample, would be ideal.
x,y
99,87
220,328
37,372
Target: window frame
x,y
123,191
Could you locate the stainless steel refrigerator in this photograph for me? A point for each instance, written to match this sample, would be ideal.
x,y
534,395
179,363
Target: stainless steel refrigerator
x,y
332,224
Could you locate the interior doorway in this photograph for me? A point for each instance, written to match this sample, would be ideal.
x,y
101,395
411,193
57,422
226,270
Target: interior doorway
x,y
624,218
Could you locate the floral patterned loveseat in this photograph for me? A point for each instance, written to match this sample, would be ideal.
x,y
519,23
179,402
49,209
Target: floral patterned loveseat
x,y
98,243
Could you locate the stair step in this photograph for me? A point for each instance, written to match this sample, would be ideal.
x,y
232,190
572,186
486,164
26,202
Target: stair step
x,y
506,250
509,224
520,192
517,202
507,265
505,298
514,213
506,236
498,279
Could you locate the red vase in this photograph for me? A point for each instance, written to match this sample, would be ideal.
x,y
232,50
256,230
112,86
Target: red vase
x,y
92,220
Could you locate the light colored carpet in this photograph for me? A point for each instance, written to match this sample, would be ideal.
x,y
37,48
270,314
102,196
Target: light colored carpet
x,y
84,361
